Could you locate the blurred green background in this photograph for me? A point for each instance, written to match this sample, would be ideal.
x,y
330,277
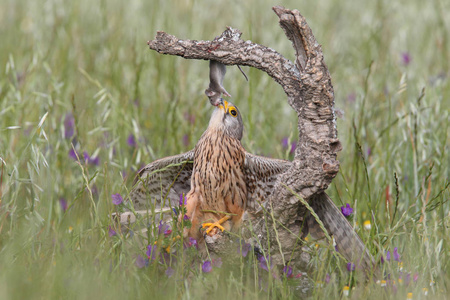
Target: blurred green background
x,y
85,66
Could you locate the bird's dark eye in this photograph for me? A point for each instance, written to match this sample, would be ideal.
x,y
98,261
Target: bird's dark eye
x,y
233,111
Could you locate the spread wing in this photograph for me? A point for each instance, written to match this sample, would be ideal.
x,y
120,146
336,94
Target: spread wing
x,y
261,175
163,181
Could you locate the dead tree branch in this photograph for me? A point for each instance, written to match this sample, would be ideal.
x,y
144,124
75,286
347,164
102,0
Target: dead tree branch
x,y
307,84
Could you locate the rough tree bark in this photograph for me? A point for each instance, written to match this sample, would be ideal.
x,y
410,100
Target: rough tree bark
x,y
307,84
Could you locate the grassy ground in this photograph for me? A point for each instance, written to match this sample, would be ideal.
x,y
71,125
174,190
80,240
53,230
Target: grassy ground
x,y
84,65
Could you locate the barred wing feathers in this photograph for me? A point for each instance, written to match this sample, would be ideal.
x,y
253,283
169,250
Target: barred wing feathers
x,y
163,180
261,175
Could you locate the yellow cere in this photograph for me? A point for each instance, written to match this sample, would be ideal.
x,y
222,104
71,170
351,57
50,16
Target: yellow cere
x,y
224,106
228,108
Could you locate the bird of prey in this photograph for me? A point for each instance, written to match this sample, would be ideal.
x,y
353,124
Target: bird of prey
x,y
220,179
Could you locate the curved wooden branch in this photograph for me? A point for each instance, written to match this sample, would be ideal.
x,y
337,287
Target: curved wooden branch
x,y
229,49
309,91
307,84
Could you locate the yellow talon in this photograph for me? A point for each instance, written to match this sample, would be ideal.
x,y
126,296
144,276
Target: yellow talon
x,y
216,224
211,226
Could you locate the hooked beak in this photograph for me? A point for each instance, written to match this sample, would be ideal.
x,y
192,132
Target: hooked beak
x,y
223,105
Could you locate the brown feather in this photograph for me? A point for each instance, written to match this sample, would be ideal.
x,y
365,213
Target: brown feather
x,y
218,184
162,181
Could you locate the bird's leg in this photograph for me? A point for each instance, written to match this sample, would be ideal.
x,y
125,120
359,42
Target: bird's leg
x,y
215,224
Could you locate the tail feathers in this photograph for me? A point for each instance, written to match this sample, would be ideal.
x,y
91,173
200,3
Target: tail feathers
x,y
348,243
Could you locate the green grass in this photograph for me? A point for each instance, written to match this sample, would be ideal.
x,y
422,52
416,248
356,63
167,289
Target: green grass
x,y
90,59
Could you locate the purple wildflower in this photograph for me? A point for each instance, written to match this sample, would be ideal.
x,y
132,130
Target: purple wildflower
x,y
388,255
116,199
192,242
406,58
185,218
151,252
111,232
95,161
293,147
396,255
263,263
327,278
92,161
186,140
351,267
287,270
63,204
285,142
175,211
217,262
169,272
182,200
416,277
246,247
207,266
86,156
69,125
73,154
141,262
163,227
167,232
346,210
131,140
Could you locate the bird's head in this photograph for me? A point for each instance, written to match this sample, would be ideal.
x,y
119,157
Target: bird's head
x,y
227,118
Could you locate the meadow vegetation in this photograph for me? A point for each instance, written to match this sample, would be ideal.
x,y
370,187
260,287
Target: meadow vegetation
x,y
84,104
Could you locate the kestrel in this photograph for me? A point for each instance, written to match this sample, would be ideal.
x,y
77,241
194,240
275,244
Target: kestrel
x,y
220,179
